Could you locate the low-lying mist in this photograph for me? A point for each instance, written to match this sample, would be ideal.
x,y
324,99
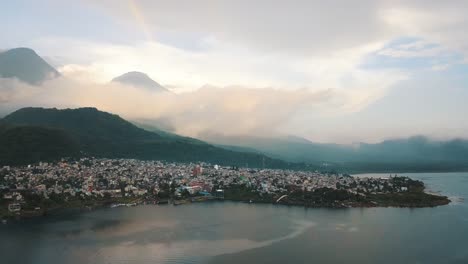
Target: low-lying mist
x,y
230,110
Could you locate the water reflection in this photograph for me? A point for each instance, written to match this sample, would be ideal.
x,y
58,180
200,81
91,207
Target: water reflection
x,y
236,232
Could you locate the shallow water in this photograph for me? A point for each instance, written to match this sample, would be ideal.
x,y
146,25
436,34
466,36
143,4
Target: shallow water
x,y
228,232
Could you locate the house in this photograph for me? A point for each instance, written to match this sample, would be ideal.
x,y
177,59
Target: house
x,y
14,207
8,196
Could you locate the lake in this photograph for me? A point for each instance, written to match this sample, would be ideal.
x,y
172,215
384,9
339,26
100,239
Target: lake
x,y
229,232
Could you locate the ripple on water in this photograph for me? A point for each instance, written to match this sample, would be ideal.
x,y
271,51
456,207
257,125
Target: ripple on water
x,y
188,251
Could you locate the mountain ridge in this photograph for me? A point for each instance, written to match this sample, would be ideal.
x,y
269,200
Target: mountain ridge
x,y
102,134
395,155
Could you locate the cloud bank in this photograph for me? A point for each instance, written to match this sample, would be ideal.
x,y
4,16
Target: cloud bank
x,y
233,110
336,71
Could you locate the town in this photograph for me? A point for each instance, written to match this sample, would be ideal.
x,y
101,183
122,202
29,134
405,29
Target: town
x,y
89,182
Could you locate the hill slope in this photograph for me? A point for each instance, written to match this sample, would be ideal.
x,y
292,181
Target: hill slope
x,y
28,144
105,135
25,65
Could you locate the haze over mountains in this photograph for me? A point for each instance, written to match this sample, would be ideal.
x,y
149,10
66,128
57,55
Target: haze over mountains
x,y
90,132
141,80
87,130
25,65
416,153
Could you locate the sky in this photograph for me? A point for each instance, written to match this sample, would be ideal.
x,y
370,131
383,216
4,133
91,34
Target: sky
x,y
329,71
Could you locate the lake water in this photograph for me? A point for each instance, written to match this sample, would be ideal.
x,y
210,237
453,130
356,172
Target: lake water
x,y
228,232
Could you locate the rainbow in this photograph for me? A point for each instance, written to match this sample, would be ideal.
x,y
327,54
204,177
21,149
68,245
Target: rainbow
x,y
140,18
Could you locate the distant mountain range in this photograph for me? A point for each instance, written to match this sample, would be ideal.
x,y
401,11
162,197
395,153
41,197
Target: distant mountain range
x,y
140,80
399,155
28,134
25,65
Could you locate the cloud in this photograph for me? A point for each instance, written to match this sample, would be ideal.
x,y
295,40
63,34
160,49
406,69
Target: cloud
x,y
299,28
311,56
222,65
440,67
296,28
415,49
438,22
244,110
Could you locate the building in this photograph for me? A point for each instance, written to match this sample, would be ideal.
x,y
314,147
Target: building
x,y
14,207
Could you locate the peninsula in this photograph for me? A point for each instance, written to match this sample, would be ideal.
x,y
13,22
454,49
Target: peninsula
x,y
88,183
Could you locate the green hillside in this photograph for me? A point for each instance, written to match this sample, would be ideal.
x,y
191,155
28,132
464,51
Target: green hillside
x,y
102,134
28,144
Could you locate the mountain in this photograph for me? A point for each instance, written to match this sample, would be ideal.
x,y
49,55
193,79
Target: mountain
x,y
38,134
289,148
95,130
416,153
102,134
141,80
25,65
398,155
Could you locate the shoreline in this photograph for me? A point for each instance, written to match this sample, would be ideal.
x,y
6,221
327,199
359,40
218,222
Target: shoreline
x,y
351,172
87,184
382,203
441,201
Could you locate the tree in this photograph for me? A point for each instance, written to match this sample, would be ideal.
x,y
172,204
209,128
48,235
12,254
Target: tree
x,y
107,196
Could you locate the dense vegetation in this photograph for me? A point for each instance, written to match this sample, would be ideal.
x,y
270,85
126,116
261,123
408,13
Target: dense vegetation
x,y
27,144
340,198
